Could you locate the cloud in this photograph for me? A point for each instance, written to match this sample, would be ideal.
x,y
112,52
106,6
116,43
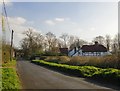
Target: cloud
x,y
59,19
19,25
7,2
92,28
56,21
50,22
64,25
17,20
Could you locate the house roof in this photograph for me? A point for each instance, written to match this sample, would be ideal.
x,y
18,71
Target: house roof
x,y
94,48
64,50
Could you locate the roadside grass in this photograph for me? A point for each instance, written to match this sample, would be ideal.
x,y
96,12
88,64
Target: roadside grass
x,y
9,64
10,79
0,79
108,74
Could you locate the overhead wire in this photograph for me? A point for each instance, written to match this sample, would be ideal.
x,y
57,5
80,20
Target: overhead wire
x,y
5,49
4,7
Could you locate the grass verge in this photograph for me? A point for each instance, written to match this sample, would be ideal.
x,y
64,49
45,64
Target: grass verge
x,y
10,64
10,79
108,74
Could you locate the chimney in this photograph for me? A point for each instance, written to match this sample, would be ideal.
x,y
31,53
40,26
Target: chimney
x,y
96,42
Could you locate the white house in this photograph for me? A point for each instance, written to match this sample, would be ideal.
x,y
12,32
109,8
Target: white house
x,y
90,50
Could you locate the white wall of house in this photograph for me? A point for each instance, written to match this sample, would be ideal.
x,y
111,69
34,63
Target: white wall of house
x,y
71,52
80,53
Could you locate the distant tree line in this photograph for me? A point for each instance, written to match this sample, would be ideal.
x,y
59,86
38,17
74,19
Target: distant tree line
x,y
36,43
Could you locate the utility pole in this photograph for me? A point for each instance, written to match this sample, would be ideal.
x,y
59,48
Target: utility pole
x,y
11,45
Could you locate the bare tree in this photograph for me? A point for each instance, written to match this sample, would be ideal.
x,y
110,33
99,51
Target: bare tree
x,y
39,40
32,43
72,40
60,43
99,39
51,40
30,38
115,45
78,43
119,47
108,41
25,46
65,38
119,40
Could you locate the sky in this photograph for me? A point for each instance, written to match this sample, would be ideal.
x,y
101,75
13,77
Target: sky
x,y
83,19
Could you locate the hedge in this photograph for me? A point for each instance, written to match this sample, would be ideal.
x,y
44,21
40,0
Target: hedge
x,y
108,74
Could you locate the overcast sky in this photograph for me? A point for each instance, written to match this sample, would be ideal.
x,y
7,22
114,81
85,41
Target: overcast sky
x,y
83,19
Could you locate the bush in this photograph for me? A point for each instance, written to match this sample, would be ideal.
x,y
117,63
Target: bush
x,y
63,59
5,53
109,75
43,57
57,59
78,60
50,54
53,54
52,59
89,71
61,54
110,61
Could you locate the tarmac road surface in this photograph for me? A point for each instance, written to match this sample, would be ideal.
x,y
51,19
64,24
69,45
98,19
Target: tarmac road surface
x,y
33,76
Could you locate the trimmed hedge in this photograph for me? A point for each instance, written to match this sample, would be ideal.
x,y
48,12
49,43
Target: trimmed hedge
x,y
108,74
